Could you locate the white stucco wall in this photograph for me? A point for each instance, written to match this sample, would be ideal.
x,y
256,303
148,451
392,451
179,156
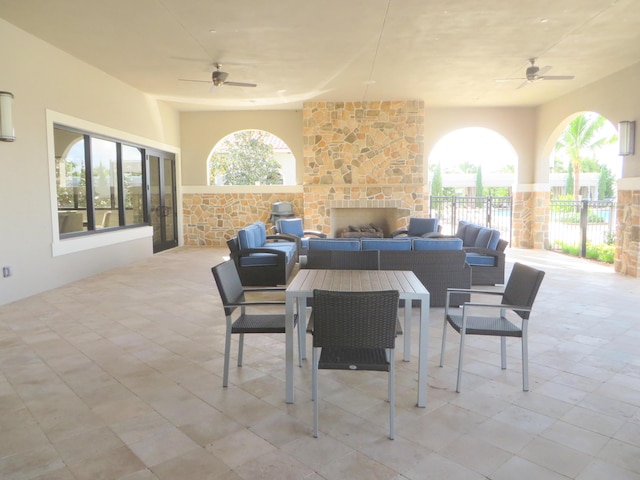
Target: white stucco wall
x,y
44,79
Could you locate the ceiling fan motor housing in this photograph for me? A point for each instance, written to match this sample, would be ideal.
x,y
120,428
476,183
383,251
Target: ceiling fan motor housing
x,y
218,77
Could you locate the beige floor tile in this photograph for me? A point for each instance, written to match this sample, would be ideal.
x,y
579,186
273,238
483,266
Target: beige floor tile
x,y
133,391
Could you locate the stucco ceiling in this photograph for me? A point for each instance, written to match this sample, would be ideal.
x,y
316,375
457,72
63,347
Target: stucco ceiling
x,y
446,52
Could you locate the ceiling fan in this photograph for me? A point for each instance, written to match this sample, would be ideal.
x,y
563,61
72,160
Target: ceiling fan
x,y
219,79
535,74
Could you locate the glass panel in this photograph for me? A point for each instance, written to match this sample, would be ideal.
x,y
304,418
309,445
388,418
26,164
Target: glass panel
x,y
168,210
133,191
105,181
154,183
70,180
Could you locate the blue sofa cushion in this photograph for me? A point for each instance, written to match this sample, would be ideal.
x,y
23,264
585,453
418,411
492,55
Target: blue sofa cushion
x,y
462,226
483,238
334,244
437,244
250,237
470,234
479,260
495,238
420,226
385,244
262,232
291,226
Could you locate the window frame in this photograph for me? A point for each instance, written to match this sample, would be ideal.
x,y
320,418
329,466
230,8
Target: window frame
x,y
88,240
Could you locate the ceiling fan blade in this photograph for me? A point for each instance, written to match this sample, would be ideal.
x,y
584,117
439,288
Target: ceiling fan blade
x,y
240,84
523,84
189,80
558,77
543,70
502,80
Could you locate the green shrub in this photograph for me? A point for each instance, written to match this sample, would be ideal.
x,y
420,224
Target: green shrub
x,y
602,253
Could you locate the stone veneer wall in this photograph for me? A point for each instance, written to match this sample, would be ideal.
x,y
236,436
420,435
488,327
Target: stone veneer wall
x,y
627,255
210,219
530,219
363,155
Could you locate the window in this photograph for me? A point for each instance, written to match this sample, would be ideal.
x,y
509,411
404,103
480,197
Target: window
x,y
251,157
99,182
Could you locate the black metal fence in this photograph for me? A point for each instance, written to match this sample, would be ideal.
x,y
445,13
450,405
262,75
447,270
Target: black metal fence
x,y
494,212
574,223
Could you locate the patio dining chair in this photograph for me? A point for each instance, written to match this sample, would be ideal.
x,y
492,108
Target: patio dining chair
x,y
354,331
517,301
232,294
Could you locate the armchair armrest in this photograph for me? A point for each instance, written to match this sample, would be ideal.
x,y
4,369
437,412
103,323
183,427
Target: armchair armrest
x,y
315,233
401,231
281,237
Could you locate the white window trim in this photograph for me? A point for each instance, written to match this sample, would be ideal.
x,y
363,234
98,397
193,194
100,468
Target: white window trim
x,y
88,242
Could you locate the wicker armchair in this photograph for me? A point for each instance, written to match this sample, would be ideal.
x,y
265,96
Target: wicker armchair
x,y
354,331
517,301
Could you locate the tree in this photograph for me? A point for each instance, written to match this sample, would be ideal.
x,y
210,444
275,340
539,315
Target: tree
x,y
479,188
436,183
570,182
245,159
605,183
580,139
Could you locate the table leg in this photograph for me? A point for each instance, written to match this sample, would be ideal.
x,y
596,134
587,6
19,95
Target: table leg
x,y
289,311
423,352
302,326
407,330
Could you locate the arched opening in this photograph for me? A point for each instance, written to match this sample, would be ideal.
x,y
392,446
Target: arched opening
x,y
584,166
471,174
251,157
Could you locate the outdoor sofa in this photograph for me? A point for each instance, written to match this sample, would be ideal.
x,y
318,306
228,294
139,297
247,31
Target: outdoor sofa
x,y
439,263
261,259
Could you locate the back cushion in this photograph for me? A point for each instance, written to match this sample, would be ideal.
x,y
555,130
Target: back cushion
x,y
261,234
248,237
470,234
495,238
437,244
483,238
462,226
333,244
386,244
420,226
292,226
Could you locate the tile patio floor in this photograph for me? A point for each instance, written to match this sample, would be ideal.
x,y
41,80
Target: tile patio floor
x,y
119,376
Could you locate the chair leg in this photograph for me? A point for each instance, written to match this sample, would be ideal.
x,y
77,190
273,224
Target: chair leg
x,y
503,352
460,359
240,349
525,362
444,338
227,352
314,389
301,339
392,393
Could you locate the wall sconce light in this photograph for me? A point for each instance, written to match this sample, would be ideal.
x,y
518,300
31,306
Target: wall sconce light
x,y
627,137
7,134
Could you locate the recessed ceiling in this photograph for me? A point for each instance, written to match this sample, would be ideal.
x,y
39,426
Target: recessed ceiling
x,y
444,52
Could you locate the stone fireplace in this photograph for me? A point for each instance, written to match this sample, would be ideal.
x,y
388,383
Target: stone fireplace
x,y
364,163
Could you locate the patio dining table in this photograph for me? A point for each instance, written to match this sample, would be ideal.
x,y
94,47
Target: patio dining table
x,y
405,282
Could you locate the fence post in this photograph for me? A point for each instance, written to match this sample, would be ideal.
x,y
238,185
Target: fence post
x,y
584,217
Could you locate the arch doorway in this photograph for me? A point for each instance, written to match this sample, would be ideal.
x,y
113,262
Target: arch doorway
x,y
471,176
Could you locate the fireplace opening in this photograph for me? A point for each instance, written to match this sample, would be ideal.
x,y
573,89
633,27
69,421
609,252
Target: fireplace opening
x,y
384,219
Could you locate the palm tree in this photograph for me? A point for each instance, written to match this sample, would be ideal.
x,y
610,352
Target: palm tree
x,y
580,139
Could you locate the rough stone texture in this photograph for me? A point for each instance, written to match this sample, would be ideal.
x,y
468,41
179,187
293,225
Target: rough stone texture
x,y
363,155
530,218
627,255
211,219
